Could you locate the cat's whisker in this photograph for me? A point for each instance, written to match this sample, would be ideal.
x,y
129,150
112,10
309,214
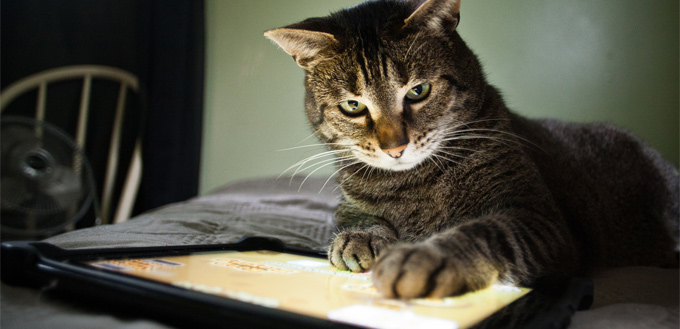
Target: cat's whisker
x,y
313,157
315,145
505,141
337,171
332,160
447,159
306,138
437,162
453,154
465,126
468,124
455,130
457,148
520,138
304,161
301,147
317,169
363,177
419,47
369,171
367,174
333,174
408,51
301,165
318,155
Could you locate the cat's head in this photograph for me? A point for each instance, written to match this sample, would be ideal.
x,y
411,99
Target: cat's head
x,y
386,80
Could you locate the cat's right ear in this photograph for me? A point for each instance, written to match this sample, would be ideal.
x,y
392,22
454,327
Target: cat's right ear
x,y
435,15
306,47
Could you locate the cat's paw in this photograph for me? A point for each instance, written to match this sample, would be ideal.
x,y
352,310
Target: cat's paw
x,y
422,270
356,251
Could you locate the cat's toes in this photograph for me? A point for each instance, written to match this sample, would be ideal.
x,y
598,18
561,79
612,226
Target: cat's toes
x,y
417,271
356,251
408,272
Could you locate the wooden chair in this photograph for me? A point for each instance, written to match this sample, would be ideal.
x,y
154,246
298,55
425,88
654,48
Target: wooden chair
x,y
87,73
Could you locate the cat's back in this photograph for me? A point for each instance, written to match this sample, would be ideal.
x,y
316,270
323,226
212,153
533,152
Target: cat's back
x,y
618,194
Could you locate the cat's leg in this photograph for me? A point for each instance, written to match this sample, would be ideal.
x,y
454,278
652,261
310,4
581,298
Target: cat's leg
x,y
473,256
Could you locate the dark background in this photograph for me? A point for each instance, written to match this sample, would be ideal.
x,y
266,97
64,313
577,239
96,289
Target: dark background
x,y
160,41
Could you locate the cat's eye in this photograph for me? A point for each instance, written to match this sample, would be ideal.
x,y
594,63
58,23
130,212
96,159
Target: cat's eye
x,y
418,92
352,108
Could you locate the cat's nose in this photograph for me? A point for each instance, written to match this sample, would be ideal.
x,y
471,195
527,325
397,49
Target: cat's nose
x,y
396,152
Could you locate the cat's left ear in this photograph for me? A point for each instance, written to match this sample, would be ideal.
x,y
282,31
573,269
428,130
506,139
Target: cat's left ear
x,y
306,47
436,15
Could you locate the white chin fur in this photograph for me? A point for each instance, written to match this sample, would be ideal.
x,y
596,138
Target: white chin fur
x,y
384,161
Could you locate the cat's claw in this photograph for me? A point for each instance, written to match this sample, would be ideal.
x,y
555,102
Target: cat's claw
x,y
356,251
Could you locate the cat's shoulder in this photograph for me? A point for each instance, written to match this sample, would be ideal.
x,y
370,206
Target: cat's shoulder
x,y
584,136
604,143
602,131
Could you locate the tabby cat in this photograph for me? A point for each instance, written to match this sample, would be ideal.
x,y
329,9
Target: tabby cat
x,y
444,189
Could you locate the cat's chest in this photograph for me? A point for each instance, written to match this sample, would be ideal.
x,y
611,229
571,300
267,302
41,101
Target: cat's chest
x,y
416,207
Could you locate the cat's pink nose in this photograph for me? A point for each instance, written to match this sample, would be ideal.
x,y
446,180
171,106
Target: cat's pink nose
x,y
396,152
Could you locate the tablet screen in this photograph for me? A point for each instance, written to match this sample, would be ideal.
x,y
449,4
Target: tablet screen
x,y
313,287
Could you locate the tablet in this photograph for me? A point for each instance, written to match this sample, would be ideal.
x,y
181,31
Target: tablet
x,y
261,283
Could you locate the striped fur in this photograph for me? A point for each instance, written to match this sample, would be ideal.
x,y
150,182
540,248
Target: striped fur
x,y
479,194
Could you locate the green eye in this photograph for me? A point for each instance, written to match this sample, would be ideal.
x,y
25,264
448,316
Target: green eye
x,y
418,92
352,108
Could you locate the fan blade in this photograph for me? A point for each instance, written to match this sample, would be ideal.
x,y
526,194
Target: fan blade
x,y
46,179
65,188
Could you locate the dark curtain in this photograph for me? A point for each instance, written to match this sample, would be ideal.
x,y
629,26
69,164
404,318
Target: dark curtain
x,y
160,41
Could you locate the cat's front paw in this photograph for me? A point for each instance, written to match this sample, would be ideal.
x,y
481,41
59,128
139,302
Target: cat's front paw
x,y
422,270
356,251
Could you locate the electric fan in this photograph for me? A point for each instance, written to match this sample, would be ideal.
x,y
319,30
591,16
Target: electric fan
x,y
46,181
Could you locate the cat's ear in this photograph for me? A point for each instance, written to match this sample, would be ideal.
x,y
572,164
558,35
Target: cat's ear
x,y
436,15
305,46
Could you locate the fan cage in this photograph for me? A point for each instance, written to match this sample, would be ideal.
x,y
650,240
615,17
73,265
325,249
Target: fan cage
x,y
32,216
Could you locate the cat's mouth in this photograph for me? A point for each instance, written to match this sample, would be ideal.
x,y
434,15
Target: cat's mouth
x,y
402,165
408,158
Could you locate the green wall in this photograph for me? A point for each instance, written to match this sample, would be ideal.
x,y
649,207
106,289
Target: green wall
x,y
578,60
